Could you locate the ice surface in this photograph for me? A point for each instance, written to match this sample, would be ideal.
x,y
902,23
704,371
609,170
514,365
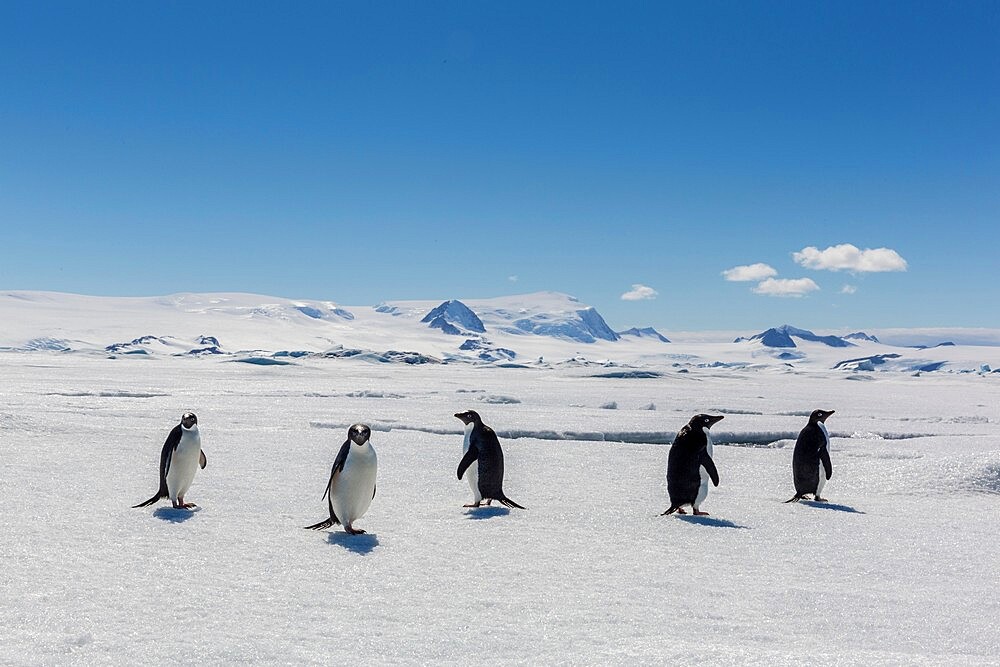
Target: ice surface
x,y
898,569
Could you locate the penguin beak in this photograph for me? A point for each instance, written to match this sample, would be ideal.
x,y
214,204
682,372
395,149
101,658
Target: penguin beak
x,y
716,420
828,413
461,415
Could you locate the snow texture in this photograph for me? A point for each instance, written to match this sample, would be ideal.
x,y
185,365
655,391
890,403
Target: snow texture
x,y
899,568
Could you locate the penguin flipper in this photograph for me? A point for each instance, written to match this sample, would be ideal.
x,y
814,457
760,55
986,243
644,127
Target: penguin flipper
x,y
824,456
338,465
326,523
169,445
202,461
162,491
709,465
467,460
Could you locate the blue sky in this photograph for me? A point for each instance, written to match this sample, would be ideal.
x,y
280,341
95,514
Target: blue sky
x,y
362,152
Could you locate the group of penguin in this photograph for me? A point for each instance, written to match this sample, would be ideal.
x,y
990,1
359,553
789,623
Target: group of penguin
x,y
351,487
690,466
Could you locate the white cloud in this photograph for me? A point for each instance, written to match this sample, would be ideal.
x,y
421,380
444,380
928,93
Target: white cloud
x,y
750,272
847,257
848,289
640,293
512,279
786,287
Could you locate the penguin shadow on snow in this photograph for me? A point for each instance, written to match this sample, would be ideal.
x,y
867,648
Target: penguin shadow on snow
x,y
174,515
711,522
487,512
362,544
831,506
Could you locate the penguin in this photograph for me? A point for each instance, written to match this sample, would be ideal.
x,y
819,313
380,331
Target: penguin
x,y
484,447
472,474
688,460
179,461
812,451
351,488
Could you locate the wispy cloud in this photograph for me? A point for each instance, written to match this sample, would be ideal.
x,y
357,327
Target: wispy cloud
x,y
750,273
786,287
640,293
847,257
848,289
512,279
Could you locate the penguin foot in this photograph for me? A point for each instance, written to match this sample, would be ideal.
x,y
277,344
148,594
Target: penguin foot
x,y
472,505
699,513
820,500
354,531
681,510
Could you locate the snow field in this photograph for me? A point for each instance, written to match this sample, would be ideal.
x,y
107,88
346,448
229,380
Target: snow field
x,y
900,568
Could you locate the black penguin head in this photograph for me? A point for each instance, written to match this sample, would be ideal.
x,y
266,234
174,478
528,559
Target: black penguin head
x,y
704,421
469,417
359,433
188,419
820,415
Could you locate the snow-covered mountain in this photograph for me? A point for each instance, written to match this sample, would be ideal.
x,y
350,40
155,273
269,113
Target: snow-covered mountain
x,y
454,317
543,330
544,314
861,335
784,335
645,332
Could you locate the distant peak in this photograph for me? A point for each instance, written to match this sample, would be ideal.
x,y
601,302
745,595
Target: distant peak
x,y
861,335
793,331
782,337
645,332
452,317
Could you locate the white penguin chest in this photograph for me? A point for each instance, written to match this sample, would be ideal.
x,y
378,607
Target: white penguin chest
x,y
472,472
354,485
705,477
826,434
826,443
468,437
184,461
